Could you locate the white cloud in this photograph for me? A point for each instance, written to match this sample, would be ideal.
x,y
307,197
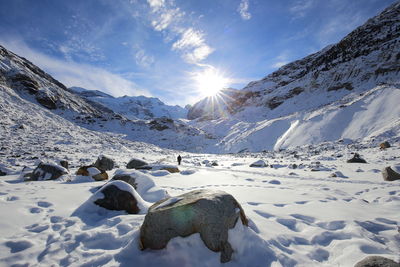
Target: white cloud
x,y
170,20
76,74
281,60
243,9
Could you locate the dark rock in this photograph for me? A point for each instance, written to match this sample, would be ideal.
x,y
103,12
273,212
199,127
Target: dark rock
x,y
2,173
259,163
126,178
135,164
210,213
64,163
384,145
390,175
118,199
356,159
46,101
93,172
377,261
100,176
46,171
104,163
214,163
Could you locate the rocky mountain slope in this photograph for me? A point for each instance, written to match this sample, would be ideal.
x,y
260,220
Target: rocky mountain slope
x,y
304,100
133,107
23,83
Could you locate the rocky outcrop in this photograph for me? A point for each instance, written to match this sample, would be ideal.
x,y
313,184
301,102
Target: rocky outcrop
x,y
377,261
47,171
210,213
356,159
391,175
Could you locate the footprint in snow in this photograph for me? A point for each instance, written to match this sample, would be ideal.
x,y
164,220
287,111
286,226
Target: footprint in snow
x,y
332,225
319,255
301,202
17,246
264,214
304,218
279,205
274,182
36,228
44,204
35,210
12,198
250,179
254,203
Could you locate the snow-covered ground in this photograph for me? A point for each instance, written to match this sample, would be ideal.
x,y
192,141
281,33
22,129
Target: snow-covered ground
x,y
298,215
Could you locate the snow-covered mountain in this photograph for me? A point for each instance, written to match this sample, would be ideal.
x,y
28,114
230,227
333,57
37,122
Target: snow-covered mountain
x,y
133,107
347,90
24,84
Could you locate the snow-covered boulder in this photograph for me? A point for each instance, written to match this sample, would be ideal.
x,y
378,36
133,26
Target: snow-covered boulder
x,y
145,185
372,261
135,163
104,163
210,213
47,171
391,173
168,167
119,195
259,163
93,172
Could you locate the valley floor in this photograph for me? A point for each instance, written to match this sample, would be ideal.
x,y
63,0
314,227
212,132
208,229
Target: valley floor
x,y
299,214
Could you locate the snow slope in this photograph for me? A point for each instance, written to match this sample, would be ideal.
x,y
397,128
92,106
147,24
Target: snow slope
x,y
133,107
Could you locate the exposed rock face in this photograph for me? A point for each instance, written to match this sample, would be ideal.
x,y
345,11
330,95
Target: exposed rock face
x,y
377,261
46,171
210,213
259,163
390,175
118,199
2,173
104,163
135,164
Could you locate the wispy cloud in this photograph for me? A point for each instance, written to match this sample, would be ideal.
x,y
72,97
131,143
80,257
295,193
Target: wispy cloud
x,y
143,59
76,74
243,10
301,7
170,20
281,60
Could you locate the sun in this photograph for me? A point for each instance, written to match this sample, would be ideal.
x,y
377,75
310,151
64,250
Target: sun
x,y
210,81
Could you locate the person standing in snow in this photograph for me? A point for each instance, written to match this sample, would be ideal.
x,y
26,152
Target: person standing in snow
x,y
179,159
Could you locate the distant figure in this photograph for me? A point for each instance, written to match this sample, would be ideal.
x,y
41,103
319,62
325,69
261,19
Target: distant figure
x,y
179,160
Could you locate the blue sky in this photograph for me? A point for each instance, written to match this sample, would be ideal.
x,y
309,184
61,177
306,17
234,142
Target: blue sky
x,y
157,47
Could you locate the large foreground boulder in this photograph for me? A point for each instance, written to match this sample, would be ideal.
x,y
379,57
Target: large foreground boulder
x,y
104,163
377,261
210,213
135,164
119,195
384,145
391,175
47,171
